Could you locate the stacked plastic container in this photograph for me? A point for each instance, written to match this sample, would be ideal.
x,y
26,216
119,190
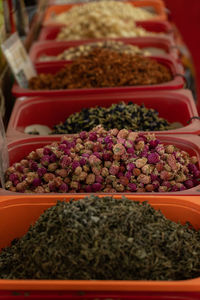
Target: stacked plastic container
x,y
172,100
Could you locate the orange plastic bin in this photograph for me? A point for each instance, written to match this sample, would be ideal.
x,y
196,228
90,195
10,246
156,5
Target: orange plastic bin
x,y
17,213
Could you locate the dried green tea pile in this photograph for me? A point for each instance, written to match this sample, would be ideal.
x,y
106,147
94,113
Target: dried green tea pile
x,y
129,116
107,161
104,68
105,239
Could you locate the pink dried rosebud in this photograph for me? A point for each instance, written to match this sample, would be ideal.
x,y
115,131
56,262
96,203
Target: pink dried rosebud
x,y
120,174
108,140
119,149
53,158
145,179
78,147
165,175
88,189
141,162
52,187
153,158
63,188
33,155
94,161
96,170
114,169
25,162
82,176
175,189
124,180
20,187
36,182
139,145
136,172
144,153
132,136
123,133
89,145
119,187
65,161
96,187
52,167
189,184
13,177
114,132
107,164
99,179
39,189
74,185
48,177
19,167
45,160
75,164
82,161
128,174
47,151
132,187
196,174
97,154
147,169
92,136
162,189
33,165
130,166
172,162
160,149
128,144
159,166
170,149
154,177
78,170
149,187
109,146
156,184
153,143
39,152
167,184
90,178
130,150
83,135
41,171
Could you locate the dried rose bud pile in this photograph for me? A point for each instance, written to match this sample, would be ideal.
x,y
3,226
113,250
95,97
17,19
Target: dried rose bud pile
x,y
106,161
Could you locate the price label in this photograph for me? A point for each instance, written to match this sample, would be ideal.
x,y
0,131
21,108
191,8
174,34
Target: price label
x,y
18,60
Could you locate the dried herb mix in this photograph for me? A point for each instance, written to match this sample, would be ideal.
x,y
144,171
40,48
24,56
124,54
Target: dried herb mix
x,y
107,161
105,239
104,68
84,49
129,116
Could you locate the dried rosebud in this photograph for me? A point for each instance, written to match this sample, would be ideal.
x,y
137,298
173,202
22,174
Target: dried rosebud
x,y
41,171
189,184
119,149
90,178
63,188
153,158
52,167
96,187
144,179
132,187
153,144
141,162
45,160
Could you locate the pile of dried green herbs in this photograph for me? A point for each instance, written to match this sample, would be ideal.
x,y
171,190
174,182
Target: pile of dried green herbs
x,y
103,238
121,115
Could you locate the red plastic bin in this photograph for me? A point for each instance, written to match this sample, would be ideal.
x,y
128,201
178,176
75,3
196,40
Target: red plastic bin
x,y
50,32
168,104
176,83
157,5
17,213
55,48
20,148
